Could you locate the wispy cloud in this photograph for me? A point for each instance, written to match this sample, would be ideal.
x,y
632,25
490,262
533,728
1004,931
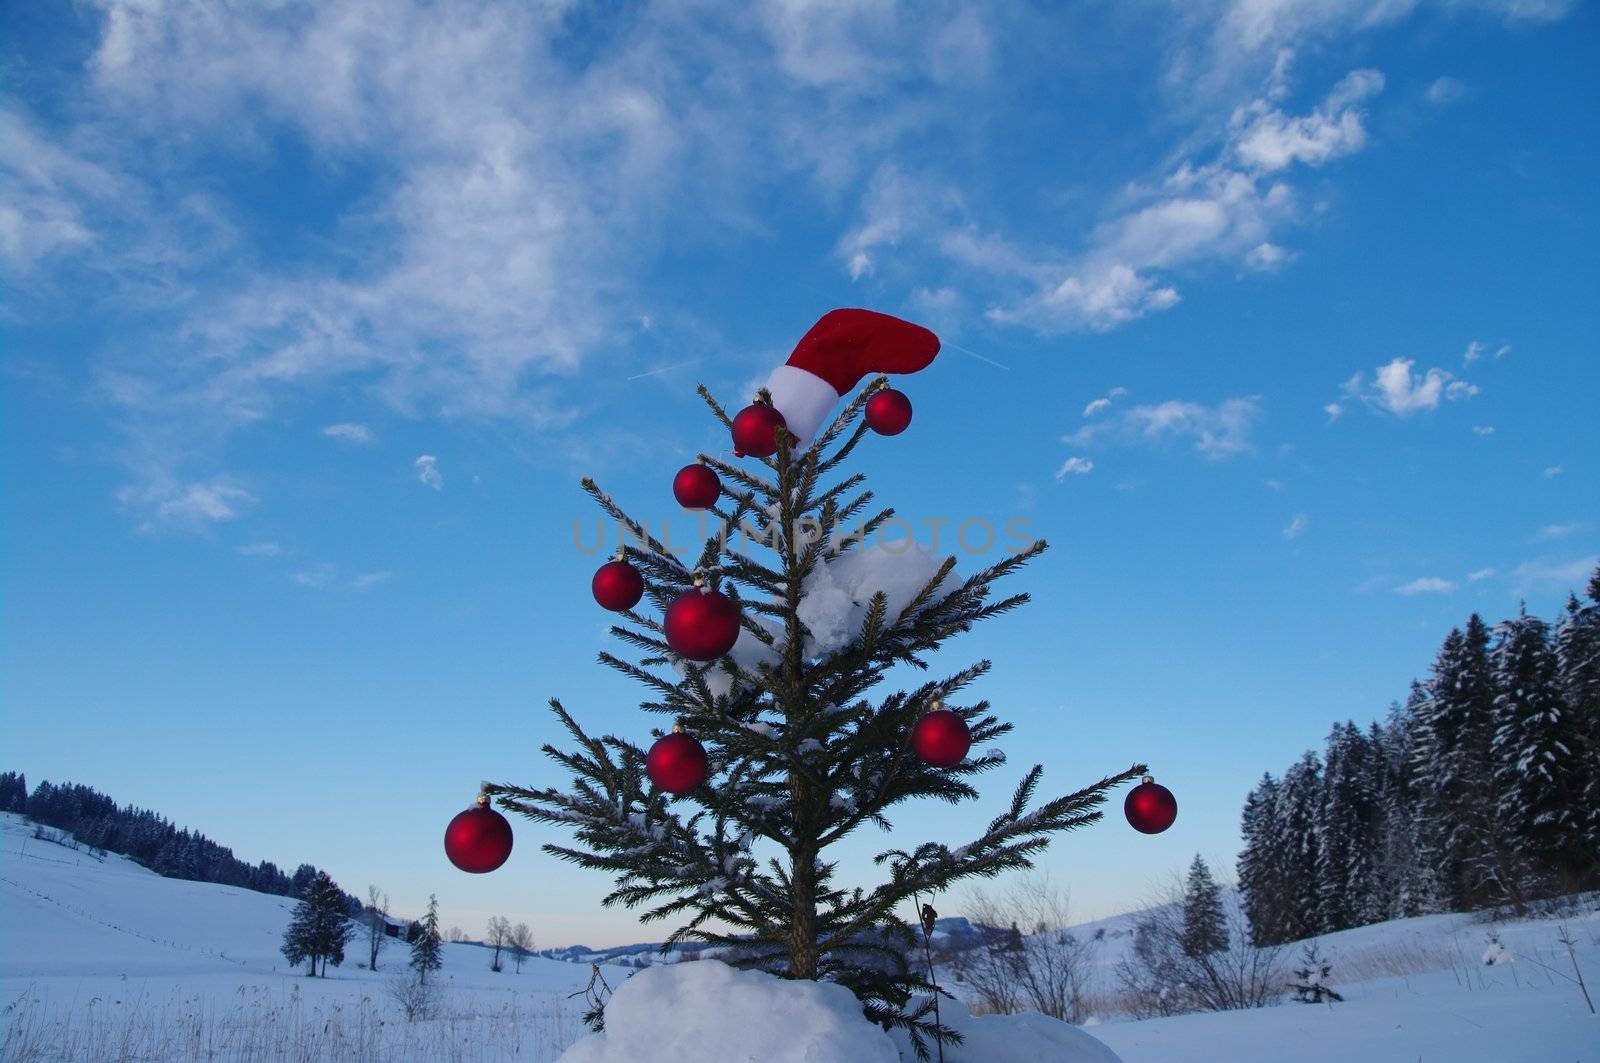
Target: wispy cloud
x,y
1074,467
1444,90
1223,207
427,467
1483,429
1426,585
1552,471
1480,575
1296,527
316,577
1103,403
186,505
261,549
1551,532
1215,431
368,580
349,432
1557,575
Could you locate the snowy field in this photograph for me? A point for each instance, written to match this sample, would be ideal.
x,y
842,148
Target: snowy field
x,y
106,960
102,960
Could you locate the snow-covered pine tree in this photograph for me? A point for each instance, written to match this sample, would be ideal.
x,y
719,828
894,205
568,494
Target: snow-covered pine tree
x,y
1461,835
1205,925
1299,797
799,757
1346,877
427,947
1538,779
1578,666
319,927
1263,885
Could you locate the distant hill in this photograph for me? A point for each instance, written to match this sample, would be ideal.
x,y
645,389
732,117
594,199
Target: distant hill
x,y
99,824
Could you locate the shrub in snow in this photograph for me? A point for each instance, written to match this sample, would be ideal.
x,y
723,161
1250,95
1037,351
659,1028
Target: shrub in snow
x,y
1495,955
1310,983
692,1012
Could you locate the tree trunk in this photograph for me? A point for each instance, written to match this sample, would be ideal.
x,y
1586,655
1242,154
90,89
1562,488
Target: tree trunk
x,y
803,919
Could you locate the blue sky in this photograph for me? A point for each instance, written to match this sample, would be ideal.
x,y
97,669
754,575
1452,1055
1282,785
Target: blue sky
x,y
1277,320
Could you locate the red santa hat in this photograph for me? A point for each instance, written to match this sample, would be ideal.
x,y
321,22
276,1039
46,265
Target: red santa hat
x,y
830,360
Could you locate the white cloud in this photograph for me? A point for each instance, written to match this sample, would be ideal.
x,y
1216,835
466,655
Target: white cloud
x,y
1223,206
368,580
1334,411
1552,471
1217,432
1444,90
1560,575
261,549
186,505
1296,527
349,432
1267,256
1426,585
315,577
1273,485
1557,531
1483,429
1074,467
1268,140
1480,575
428,473
1473,353
1399,389
1103,403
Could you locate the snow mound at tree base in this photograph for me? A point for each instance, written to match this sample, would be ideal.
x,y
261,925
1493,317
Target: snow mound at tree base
x,y
1026,1038
693,1012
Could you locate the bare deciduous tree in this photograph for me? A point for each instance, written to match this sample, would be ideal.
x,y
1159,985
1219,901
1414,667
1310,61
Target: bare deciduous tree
x,y
521,944
377,909
1046,968
498,937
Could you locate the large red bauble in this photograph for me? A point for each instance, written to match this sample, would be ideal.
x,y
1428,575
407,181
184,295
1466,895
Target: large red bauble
x,y
677,763
755,430
696,487
1150,807
702,624
941,739
478,840
617,585
888,412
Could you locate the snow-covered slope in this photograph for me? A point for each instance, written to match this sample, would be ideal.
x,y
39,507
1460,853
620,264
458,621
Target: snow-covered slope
x,y
95,948
102,959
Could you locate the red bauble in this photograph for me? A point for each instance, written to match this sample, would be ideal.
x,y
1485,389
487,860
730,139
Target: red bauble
x,y
1150,807
755,430
478,840
701,624
941,739
888,412
617,585
696,487
677,763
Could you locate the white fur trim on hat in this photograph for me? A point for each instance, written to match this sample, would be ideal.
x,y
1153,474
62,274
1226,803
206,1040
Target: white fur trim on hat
x,y
803,398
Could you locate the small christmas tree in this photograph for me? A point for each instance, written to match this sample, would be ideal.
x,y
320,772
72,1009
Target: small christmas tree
x,y
765,661
427,947
320,926
1311,977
